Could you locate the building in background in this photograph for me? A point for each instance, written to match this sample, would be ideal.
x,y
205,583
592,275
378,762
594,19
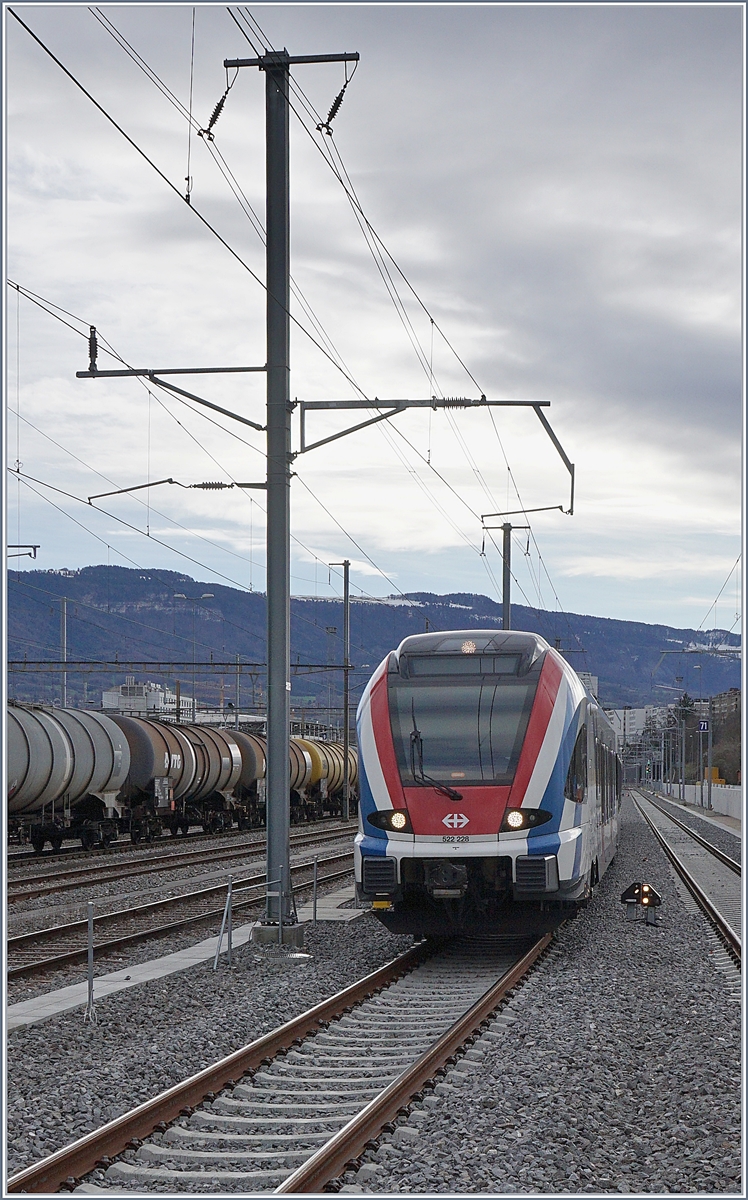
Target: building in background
x,y
591,682
629,723
725,704
144,700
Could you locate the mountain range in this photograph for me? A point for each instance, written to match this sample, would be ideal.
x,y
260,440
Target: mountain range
x,y
118,615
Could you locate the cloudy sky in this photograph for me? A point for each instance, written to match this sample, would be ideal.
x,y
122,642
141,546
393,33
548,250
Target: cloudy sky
x,y
561,187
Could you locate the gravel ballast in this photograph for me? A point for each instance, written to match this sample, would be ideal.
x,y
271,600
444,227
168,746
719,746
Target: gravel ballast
x,y
616,1069
66,1078
621,1072
26,988
721,837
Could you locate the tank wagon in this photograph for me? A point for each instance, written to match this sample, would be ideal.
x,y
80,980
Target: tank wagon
x,y
489,786
58,755
90,775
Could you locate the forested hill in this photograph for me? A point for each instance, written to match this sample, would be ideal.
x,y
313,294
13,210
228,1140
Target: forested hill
x,y
118,614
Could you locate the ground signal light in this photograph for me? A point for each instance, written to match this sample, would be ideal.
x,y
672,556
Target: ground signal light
x,y
641,895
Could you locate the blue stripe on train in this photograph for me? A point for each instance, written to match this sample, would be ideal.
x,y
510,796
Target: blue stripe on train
x,y
553,797
375,839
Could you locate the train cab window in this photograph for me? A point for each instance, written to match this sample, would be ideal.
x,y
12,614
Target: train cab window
x,y
460,718
453,664
576,778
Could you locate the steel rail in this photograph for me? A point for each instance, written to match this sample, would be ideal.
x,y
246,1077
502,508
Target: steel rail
x,y
123,846
715,850
103,948
91,867
331,1159
80,876
723,927
77,1159
215,889
78,955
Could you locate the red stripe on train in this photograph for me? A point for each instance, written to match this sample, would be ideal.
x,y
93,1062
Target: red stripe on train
x,y
537,727
380,720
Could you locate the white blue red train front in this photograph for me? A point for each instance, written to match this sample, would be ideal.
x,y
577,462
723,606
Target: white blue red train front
x,y
479,789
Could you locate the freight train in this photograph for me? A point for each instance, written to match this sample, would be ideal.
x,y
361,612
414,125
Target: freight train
x,y
92,775
489,784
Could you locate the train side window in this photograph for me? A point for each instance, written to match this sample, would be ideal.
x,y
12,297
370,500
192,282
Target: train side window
x,y
605,782
608,787
576,777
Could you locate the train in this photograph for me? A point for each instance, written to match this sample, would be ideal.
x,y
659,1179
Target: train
x,y
489,786
89,775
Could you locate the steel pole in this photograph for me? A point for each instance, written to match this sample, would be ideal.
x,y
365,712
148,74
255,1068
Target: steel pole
x,y
314,890
709,759
63,651
236,715
346,685
194,698
278,482
230,922
89,1014
506,583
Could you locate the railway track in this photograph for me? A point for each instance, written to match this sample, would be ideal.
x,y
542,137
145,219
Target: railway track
x,y
125,927
30,888
711,876
289,1112
123,845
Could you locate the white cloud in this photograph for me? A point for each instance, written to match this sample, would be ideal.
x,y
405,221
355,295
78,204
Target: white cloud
x,y
572,218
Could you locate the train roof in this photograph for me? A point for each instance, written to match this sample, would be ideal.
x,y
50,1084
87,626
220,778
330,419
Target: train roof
x,y
472,641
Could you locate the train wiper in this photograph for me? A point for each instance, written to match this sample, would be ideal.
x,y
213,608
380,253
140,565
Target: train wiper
x,y
416,763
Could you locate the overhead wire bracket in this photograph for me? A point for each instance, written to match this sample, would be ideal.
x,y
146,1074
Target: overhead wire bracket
x,y
155,376
210,486
171,387
519,512
394,407
569,465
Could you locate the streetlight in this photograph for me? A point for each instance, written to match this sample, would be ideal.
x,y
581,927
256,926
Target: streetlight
x,y
698,668
626,708
193,600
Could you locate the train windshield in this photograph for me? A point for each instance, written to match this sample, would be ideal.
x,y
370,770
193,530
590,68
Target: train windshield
x,y
461,721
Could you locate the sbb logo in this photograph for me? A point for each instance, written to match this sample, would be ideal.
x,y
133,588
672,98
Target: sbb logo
x,y
455,820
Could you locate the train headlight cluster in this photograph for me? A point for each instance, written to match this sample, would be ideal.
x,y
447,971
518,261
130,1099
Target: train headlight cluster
x,y
523,818
395,819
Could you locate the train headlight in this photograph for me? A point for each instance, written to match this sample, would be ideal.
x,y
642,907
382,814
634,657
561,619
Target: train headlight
x,y
395,819
523,818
